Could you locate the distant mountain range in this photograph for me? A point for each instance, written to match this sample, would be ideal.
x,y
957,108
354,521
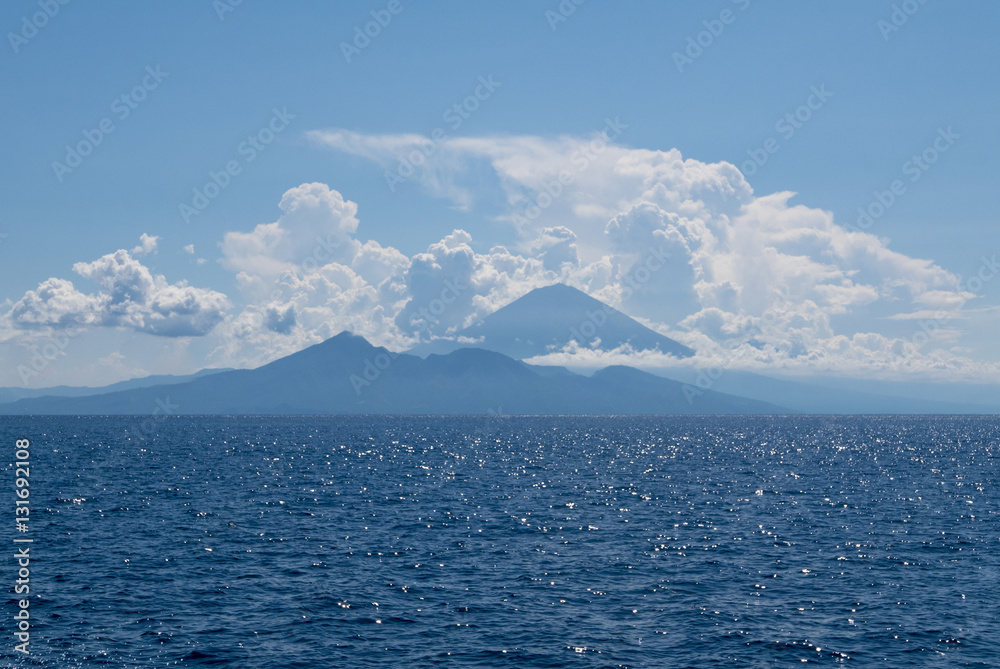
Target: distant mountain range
x,y
346,374
546,319
13,394
481,371
833,395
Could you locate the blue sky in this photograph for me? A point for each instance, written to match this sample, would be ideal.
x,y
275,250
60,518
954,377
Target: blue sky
x,y
893,93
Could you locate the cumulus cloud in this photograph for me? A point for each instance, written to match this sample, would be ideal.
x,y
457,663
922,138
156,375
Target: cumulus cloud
x,y
451,286
305,277
147,244
56,302
575,182
685,246
556,247
129,296
315,228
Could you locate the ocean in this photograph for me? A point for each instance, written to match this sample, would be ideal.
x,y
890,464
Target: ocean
x,y
388,541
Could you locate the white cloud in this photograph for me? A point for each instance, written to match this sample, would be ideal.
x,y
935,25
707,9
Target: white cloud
x,y
315,228
686,247
556,247
575,182
147,244
57,303
591,212
304,278
129,296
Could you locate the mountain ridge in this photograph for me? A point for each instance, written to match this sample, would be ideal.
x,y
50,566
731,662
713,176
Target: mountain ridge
x,y
348,375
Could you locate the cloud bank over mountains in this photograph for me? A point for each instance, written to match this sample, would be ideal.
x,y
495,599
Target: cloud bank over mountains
x,y
748,281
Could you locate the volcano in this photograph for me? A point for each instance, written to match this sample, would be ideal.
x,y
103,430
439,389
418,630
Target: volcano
x,y
547,319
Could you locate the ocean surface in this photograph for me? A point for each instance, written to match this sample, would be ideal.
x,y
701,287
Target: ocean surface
x,y
507,541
